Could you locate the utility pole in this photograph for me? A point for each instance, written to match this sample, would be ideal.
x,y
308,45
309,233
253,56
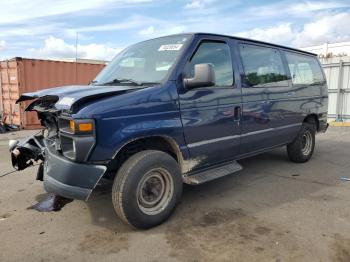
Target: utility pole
x,y
76,59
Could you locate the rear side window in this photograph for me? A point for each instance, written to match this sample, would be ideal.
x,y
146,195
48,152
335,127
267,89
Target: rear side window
x,y
305,70
263,66
217,54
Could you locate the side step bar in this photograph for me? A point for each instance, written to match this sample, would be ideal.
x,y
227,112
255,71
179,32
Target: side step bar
x,y
212,173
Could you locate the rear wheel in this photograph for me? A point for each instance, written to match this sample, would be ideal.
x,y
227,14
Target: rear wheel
x,y
302,148
146,188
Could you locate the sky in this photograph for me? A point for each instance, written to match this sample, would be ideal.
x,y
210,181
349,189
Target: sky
x,y
48,28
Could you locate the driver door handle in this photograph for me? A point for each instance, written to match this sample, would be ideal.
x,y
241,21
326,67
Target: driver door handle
x,y
237,114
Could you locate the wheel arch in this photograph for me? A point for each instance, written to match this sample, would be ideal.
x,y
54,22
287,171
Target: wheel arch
x,y
312,118
155,142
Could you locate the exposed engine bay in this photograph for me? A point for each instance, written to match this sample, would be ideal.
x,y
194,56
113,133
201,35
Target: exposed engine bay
x,y
26,152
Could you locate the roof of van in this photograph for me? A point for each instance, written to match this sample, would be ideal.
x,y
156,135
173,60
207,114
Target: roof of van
x,y
252,40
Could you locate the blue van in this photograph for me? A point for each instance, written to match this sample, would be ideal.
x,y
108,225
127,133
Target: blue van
x,y
172,110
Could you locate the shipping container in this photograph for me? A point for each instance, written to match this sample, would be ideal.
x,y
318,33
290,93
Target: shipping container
x,y
21,75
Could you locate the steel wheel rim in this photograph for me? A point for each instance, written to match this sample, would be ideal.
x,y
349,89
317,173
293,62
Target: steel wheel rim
x,y
155,191
306,143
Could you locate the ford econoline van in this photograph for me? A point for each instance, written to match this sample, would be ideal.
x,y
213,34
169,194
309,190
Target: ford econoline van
x,y
172,110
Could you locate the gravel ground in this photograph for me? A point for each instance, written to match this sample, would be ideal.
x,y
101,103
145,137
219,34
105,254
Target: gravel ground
x,y
273,210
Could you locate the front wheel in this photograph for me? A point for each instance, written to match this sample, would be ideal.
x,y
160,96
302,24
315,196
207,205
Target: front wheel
x,y
302,147
146,188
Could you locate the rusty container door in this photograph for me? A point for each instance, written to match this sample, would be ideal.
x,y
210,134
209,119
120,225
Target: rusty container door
x,y
9,92
30,75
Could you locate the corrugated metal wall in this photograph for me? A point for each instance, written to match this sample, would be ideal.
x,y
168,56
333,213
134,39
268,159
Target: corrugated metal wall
x,y
9,92
337,71
19,76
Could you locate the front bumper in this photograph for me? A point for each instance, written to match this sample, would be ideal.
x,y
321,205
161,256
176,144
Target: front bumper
x,y
69,179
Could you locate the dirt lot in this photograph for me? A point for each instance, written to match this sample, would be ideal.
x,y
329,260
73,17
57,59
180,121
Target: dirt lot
x,y
274,210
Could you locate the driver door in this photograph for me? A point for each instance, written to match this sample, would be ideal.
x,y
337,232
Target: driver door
x,y
211,115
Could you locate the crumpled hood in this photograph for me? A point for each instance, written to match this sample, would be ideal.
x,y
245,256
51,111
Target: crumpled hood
x,y
70,97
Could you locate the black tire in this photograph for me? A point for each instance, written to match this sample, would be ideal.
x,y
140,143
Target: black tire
x,y
135,194
302,147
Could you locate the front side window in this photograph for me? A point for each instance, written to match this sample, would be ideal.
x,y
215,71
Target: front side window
x,y
305,70
217,54
145,62
262,66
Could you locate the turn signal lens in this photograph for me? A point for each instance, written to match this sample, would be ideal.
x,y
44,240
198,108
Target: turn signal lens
x,y
81,126
85,127
72,125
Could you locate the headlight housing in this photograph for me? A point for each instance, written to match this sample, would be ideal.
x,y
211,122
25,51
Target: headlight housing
x,y
76,138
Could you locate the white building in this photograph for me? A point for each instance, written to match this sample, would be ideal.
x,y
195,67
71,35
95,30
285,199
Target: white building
x,y
332,49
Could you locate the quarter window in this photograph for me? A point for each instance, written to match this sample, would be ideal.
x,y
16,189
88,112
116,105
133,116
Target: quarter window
x,y
217,54
262,66
305,70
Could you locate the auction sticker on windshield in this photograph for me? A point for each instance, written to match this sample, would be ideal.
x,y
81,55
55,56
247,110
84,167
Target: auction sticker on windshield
x,y
171,47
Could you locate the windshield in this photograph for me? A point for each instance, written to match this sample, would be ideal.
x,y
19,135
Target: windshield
x,y
145,62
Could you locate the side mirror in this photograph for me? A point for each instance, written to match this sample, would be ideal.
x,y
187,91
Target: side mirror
x,y
204,76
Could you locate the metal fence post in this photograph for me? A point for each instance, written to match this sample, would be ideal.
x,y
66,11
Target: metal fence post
x,y
339,117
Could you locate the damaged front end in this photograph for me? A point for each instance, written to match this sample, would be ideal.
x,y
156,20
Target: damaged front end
x,y
26,152
62,154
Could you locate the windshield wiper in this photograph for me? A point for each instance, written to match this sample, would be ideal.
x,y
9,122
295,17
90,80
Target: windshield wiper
x,y
127,81
121,81
149,83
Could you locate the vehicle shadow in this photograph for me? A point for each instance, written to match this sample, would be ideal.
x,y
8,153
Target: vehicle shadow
x,y
102,211
267,180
